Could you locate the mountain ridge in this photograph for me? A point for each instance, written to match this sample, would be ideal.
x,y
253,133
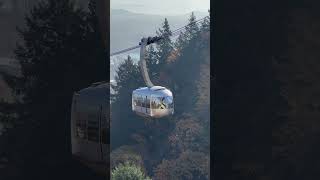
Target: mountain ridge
x,y
119,11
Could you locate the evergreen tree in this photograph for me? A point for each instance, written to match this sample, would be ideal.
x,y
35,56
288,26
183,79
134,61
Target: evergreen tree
x,y
205,25
123,121
128,76
152,60
180,42
164,46
192,29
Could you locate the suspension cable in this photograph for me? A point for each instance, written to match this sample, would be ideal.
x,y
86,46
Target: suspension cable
x,y
173,33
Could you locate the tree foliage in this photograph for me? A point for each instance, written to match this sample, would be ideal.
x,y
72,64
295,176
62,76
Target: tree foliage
x,y
127,171
123,121
125,154
165,46
152,60
189,165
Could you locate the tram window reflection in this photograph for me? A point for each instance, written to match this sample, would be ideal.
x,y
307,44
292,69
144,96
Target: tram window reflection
x,y
143,101
135,100
81,125
153,103
148,102
169,101
158,103
138,100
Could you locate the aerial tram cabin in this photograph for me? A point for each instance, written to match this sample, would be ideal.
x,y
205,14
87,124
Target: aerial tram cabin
x,y
153,102
90,126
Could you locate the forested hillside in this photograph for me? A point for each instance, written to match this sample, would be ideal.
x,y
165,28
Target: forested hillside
x,y
174,147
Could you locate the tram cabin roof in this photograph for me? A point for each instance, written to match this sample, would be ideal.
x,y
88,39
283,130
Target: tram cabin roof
x,y
155,90
97,93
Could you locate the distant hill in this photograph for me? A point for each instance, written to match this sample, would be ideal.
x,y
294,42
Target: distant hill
x,y
127,28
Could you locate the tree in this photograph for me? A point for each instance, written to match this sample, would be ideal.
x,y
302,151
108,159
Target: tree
x,y
128,171
180,42
152,60
189,165
60,52
192,29
165,45
125,154
190,33
123,121
128,76
205,25
186,135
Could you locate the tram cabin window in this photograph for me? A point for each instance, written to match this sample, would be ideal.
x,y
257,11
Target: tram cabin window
x,y
81,126
135,100
147,100
153,104
93,127
138,100
143,101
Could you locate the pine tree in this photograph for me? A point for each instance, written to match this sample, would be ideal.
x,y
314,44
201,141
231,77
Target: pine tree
x,y
123,121
165,46
128,77
205,25
192,29
180,42
152,60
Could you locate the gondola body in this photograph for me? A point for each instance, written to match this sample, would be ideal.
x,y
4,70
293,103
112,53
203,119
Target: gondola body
x,y
154,102
90,126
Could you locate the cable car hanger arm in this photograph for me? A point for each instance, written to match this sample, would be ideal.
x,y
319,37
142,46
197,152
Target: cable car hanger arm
x,y
142,63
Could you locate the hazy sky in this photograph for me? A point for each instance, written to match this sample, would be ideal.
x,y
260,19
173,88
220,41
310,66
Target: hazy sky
x,y
168,7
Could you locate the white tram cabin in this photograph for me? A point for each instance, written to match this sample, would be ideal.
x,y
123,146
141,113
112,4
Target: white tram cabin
x,y
155,102
90,126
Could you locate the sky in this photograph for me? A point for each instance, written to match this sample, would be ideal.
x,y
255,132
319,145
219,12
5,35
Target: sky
x,y
161,7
